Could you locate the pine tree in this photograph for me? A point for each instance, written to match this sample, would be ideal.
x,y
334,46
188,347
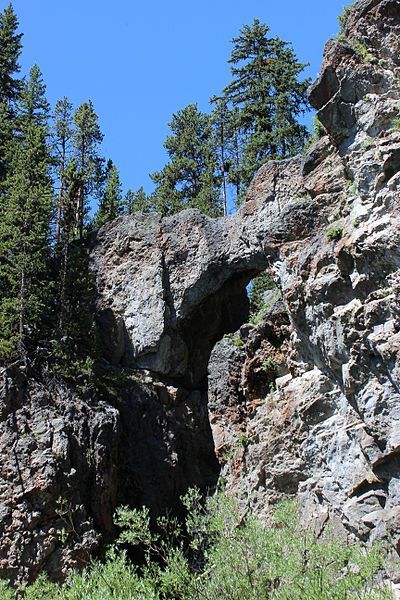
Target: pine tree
x,y
10,86
10,50
26,210
62,134
188,179
227,144
137,201
71,185
33,104
111,204
269,99
259,286
75,345
74,351
86,139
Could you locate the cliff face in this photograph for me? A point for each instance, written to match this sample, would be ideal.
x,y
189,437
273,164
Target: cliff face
x,y
307,402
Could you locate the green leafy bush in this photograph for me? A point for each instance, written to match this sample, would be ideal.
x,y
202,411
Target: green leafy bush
x,y
259,285
317,132
342,18
219,554
335,232
269,365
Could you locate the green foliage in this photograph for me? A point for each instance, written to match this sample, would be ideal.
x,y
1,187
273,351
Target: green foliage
x,y
268,98
335,232
62,136
46,288
10,44
221,554
26,206
260,284
395,124
317,132
111,203
137,201
236,341
86,138
357,45
269,365
224,142
343,18
135,525
188,179
361,49
243,440
75,347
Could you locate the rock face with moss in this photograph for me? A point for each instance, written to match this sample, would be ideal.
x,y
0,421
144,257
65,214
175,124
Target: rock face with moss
x,y
305,403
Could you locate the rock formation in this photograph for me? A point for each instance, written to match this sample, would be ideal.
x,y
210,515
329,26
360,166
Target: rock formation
x,y
306,403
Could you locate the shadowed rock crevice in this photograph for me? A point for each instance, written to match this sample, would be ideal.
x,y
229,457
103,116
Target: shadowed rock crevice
x,y
222,312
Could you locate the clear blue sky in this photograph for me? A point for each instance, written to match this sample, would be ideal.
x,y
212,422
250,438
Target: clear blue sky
x,y
141,61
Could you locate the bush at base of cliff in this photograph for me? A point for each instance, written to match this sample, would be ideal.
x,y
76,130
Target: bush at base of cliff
x,y
220,554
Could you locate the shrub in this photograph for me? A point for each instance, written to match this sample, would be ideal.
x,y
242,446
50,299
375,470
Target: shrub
x,y
269,365
342,18
335,232
221,554
317,132
258,307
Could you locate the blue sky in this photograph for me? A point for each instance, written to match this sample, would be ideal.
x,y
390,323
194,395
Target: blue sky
x,y
139,62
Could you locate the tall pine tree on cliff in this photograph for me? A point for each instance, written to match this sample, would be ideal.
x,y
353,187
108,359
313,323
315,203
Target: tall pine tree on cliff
x,y
269,98
137,201
62,136
25,227
86,139
111,203
10,85
188,179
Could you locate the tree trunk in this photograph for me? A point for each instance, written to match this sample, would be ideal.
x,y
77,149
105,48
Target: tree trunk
x,y
21,324
60,201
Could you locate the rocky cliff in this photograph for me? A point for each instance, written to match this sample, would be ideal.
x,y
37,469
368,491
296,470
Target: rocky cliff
x,y
305,403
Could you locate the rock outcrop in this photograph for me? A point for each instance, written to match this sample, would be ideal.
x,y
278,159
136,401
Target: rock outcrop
x,y
312,393
57,477
306,403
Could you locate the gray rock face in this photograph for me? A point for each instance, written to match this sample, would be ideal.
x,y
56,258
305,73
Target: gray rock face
x,y
328,430
57,476
306,403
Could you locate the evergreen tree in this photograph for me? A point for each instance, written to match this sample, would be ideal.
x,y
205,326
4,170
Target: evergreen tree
x,y
33,104
188,179
86,139
111,204
10,50
62,134
137,201
269,98
71,185
259,286
75,340
25,228
7,126
227,144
